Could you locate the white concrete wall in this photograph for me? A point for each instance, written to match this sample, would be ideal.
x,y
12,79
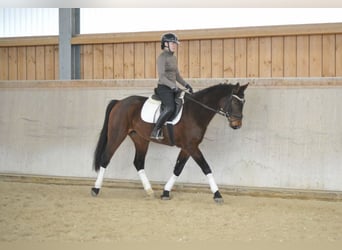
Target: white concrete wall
x,y
291,136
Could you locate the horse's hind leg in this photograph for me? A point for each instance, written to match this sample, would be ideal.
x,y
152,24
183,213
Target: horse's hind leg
x,y
114,141
141,146
181,160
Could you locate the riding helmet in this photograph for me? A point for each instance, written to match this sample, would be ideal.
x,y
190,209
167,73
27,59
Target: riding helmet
x,y
168,37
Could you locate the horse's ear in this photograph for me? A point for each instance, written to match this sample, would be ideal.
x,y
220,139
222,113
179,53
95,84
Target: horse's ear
x,y
236,88
243,87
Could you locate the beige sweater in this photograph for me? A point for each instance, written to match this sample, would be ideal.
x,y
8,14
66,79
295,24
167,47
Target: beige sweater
x,y
168,70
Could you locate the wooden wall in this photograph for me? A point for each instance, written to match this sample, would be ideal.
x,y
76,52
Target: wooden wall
x,y
34,58
278,51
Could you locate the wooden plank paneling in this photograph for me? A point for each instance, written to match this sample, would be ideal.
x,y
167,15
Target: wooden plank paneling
x,y
241,57
31,63
128,60
290,56
219,33
108,61
265,57
158,51
118,61
139,60
13,63
309,51
339,55
205,58
150,60
217,58
194,59
183,59
229,58
56,50
49,62
252,57
315,56
328,60
40,63
98,61
4,64
82,61
88,63
22,58
277,56
28,41
302,56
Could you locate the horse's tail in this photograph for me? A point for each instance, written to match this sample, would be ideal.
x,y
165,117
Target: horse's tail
x,y
101,144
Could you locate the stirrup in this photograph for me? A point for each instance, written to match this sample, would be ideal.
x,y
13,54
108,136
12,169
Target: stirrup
x,y
158,135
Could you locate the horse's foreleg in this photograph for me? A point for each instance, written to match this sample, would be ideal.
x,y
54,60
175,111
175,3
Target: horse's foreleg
x,y
198,157
145,182
181,160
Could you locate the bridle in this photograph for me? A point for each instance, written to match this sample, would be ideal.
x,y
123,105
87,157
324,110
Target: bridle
x,y
226,111
228,107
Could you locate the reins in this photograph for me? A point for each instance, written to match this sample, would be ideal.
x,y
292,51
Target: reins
x,y
217,111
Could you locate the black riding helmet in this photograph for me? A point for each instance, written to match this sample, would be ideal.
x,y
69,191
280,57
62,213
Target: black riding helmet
x,y
168,37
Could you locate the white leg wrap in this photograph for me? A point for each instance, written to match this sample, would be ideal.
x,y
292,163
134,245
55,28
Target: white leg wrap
x,y
144,180
212,183
100,176
170,183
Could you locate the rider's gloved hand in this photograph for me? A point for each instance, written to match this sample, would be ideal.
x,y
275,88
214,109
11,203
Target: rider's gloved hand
x,y
189,88
175,90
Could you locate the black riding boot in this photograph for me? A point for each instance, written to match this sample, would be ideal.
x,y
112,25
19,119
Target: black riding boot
x,y
157,130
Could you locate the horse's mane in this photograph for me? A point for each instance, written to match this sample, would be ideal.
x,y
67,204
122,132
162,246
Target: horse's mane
x,y
210,89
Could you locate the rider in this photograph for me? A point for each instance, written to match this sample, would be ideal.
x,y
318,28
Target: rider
x,y
168,75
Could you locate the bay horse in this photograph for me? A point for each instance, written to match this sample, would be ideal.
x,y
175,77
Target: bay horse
x,y
123,118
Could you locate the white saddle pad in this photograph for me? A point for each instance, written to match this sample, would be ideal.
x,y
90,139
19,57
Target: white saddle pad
x,y
150,112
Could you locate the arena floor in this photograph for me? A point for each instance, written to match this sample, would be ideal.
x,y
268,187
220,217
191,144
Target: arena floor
x,y
68,213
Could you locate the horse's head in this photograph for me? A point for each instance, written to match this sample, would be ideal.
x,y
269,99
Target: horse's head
x,y
234,106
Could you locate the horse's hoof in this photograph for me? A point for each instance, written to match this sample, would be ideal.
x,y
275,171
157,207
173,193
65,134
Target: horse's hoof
x,y
165,196
95,191
150,192
218,198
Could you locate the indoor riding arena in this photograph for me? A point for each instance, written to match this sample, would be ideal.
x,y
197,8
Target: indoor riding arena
x,y
279,174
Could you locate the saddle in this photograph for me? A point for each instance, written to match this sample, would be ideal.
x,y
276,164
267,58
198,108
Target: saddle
x,y
152,108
